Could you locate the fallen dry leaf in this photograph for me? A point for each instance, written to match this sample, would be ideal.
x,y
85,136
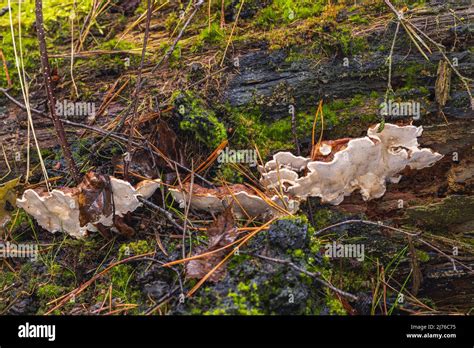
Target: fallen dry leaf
x,y
95,198
221,232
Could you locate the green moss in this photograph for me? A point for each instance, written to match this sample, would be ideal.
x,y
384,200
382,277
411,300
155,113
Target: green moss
x,y
209,36
413,72
423,256
357,100
269,136
175,56
115,44
374,94
198,120
30,57
6,278
54,11
55,269
358,19
244,301
236,261
345,42
85,247
49,292
322,218
122,275
104,64
335,306
299,55
298,253
134,248
251,127
286,11
229,174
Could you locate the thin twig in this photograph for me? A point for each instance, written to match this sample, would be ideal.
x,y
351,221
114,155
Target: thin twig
x,y
232,31
173,46
58,125
165,212
389,62
136,94
366,222
316,276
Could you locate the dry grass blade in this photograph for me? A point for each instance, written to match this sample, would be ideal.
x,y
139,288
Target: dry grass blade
x,y
139,20
221,232
232,32
315,146
210,160
5,69
98,7
65,298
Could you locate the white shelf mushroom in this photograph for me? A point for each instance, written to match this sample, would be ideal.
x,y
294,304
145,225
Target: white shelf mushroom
x,y
245,204
346,165
59,210
365,164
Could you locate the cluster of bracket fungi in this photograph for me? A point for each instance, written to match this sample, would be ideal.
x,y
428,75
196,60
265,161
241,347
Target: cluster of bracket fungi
x,y
335,170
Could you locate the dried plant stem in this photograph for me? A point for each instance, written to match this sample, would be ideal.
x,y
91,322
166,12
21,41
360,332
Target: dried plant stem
x,y
412,30
5,68
24,89
173,46
209,13
71,67
389,63
232,31
136,94
58,125
222,14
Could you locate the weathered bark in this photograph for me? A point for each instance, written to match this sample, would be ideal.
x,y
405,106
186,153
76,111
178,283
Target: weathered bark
x,y
268,79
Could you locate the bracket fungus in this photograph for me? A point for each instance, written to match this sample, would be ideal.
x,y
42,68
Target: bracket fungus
x,y
246,201
98,202
363,164
335,169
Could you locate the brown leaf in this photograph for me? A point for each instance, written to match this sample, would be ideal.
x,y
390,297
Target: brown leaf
x,y
221,232
95,198
165,141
